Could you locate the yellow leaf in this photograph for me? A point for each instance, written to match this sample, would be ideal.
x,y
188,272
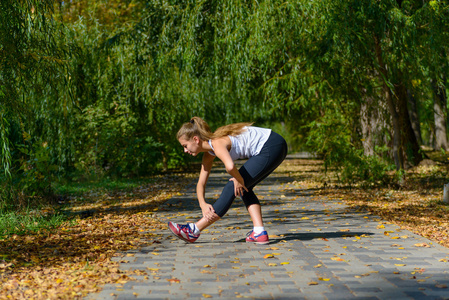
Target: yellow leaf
x,y
268,256
207,296
337,259
422,245
206,266
59,280
313,283
318,266
285,263
153,269
400,265
272,265
324,279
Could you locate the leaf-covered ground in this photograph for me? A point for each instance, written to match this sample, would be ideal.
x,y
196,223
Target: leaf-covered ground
x,y
75,259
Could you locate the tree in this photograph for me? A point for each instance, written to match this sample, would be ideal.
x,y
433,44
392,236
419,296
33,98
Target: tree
x,y
33,78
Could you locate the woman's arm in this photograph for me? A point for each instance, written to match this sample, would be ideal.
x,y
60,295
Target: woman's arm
x,y
206,167
221,150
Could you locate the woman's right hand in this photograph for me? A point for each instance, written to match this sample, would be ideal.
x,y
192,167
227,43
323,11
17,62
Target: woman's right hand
x,y
208,212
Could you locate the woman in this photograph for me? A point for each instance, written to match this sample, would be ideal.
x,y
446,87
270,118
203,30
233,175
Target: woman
x,y
264,149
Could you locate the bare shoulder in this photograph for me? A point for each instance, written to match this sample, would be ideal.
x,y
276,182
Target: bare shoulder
x,y
223,142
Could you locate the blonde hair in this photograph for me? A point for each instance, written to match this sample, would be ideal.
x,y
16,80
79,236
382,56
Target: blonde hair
x,y
198,127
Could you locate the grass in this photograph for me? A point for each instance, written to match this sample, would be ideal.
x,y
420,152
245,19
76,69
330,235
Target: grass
x,y
29,221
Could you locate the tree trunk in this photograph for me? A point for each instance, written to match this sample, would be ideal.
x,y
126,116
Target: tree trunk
x,y
409,143
414,116
367,126
372,121
397,155
439,110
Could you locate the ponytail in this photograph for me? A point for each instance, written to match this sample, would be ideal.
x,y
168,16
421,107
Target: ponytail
x,y
198,127
195,127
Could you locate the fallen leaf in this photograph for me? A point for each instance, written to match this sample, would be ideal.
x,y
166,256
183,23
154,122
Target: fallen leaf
x,y
313,283
337,259
175,280
207,296
272,248
422,245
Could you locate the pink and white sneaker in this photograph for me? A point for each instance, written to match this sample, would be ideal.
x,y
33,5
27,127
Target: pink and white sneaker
x,y
184,232
260,239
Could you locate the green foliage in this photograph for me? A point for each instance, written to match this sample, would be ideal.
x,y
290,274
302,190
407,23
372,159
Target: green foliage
x,y
34,99
337,145
100,87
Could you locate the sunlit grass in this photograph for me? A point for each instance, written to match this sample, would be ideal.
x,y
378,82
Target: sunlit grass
x,y
30,221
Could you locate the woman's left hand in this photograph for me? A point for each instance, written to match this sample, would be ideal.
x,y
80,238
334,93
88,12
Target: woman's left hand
x,y
238,187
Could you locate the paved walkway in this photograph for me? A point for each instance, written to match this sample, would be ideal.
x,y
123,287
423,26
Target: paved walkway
x,y
319,249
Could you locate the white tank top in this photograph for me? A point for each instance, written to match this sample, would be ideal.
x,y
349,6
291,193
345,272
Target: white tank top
x,y
248,143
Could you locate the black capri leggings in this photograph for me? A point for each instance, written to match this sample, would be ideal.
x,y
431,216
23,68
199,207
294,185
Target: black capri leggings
x,y
254,171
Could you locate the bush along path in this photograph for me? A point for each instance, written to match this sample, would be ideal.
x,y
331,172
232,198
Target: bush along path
x,y
320,248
